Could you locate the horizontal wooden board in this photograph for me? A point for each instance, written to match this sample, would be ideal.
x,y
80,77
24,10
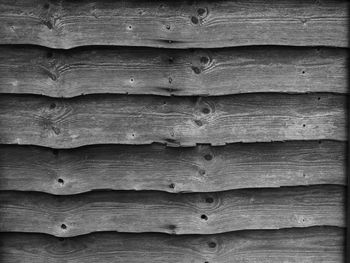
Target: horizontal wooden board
x,y
36,70
312,245
157,167
103,119
195,213
181,24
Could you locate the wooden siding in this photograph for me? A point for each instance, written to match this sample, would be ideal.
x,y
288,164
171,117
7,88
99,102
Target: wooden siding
x,y
179,121
179,24
175,214
70,73
157,167
173,131
316,244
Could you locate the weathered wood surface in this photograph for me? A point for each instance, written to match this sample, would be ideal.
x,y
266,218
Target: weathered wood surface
x,y
311,245
181,24
71,73
102,119
195,213
156,167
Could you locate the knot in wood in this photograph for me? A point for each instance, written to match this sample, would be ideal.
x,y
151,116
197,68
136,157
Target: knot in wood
x,y
56,130
194,20
202,12
209,200
196,70
212,244
208,157
204,60
206,110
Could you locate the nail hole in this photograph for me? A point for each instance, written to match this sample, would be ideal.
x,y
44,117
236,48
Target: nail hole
x,y
171,60
52,105
196,70
304,125
212,244
167,27
48,24
172,227
318,98
209,200
304,175
201,172
205,110
208,157
204,217
129,27
204,60
172,186
63,226
60,181
194,20
319,142
131,80
170,80
198,122
303,72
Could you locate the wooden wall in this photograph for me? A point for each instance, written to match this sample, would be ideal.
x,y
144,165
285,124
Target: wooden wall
x,y
173,131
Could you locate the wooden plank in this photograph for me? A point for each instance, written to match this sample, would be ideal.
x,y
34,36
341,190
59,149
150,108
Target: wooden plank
x,y
181,24
71,73
195,213
66,123
312,245
156,167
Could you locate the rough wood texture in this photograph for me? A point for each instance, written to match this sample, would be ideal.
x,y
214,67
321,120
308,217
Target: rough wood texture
x,y
66,123
197,213
156,167
171,72
310,245
180,24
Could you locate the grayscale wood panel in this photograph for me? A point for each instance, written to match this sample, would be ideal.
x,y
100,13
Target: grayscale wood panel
x,y
180,24
197,213
173,169
312,245
177,121
69,73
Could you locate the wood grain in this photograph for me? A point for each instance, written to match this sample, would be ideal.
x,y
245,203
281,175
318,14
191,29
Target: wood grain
x,y
156,167
311,245
180,24
70,73
195,213
186,121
